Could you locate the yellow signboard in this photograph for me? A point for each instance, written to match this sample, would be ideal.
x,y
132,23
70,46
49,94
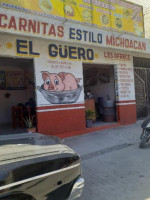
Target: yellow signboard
x,y
116,15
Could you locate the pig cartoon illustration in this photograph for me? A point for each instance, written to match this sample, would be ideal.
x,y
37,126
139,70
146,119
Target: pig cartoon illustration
x,y
59,82
61,88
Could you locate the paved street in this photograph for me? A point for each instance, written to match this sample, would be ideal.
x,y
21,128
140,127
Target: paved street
x,y
113,165
118,175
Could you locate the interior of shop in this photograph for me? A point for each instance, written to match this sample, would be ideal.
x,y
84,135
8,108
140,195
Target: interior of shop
x,y
17,95
142,86
100,96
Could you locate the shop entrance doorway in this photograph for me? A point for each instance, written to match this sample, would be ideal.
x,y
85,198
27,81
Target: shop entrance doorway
x,y
142,86
100,95
17,95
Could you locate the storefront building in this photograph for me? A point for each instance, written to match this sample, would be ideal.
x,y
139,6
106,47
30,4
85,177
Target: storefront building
x,y
61,61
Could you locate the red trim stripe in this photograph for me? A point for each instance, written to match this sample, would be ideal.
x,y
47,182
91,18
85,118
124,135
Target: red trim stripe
x,y
130,101
59,106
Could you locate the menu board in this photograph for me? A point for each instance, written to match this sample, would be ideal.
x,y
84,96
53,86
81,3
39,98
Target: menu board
x,y
15,80
2,80
124,79
116,15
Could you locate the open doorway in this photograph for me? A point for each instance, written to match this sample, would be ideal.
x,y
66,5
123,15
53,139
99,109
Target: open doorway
x,y
17,95
100,95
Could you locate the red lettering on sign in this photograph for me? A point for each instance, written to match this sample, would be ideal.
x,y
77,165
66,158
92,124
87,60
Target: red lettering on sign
x,y
117,42
139,47
12,23
52,30
125,43
131,44
22,24
60,31
144,46
4,25
38,27
44,27
32,26
118,56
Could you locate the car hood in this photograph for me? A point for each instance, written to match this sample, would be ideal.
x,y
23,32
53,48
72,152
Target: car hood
x,y
14,148
28,160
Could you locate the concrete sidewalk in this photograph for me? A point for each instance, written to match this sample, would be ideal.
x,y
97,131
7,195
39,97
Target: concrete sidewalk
x,y
106,139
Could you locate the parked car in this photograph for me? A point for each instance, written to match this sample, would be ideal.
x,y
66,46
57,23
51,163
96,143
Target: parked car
x,y
38,167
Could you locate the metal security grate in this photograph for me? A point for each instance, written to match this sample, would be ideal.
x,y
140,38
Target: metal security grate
x,y
142,91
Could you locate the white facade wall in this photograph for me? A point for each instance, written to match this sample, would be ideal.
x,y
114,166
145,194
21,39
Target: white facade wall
x,y
45,63
108,49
